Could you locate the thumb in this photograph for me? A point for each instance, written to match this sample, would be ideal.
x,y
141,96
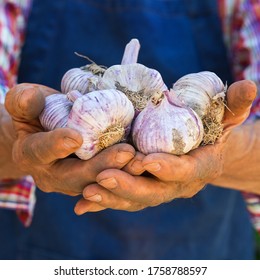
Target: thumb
x,y
25,102
240,96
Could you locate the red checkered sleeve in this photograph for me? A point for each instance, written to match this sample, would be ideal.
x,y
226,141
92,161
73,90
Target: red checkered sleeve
x,y
14,194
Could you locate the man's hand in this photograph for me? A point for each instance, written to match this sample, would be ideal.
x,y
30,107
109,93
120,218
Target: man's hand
x,y
169,176
44,155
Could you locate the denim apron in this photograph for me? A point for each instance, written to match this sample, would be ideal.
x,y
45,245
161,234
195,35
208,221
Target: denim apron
x,y
177,37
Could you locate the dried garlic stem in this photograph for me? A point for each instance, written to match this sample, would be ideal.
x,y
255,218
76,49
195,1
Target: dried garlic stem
x,y
93,67
138,98
131,52
110,136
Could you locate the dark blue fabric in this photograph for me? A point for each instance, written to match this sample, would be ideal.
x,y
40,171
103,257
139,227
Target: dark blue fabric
x,y
177,37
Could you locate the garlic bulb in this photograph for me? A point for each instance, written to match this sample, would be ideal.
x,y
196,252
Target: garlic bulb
x,y
83,79
167,125
204,92
56,111
200,90
137,81
103,118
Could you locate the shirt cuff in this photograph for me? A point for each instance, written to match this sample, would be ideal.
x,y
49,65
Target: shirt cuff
x,y
19,195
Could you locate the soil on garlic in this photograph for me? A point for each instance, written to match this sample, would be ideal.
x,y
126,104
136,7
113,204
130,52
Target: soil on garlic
x,y
177,139
213,128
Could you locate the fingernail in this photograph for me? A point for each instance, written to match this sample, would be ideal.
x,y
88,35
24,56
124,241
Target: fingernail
x,y
110,183
70,143
153,167
94,198
124,157
137,166
78,211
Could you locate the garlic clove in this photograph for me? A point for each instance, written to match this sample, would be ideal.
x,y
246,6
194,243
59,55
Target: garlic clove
x,y
167,125
103,118
56,111
137,81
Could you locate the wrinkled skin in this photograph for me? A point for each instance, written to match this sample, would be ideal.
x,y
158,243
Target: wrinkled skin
x,y
135,181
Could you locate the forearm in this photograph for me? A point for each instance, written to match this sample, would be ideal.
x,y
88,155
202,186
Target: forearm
x,y
8,168
242,159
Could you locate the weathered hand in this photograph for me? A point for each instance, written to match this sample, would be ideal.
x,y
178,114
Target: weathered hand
x,y
170,176
44,155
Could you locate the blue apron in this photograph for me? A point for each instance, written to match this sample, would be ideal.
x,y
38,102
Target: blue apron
x,y
177,37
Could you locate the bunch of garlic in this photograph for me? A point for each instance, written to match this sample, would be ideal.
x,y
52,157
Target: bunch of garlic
x,y
106,105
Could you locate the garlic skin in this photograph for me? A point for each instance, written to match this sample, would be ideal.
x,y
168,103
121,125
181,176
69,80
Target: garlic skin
x,y
103,118
204,92
73,95
167,125
56,111
137,81
82,79
200,90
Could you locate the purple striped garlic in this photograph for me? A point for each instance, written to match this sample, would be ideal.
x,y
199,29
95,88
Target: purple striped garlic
x,y
83,79
137,81
103,118
204,92
56,111
167,125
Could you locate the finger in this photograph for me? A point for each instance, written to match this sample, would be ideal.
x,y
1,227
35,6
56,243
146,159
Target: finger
x,y
144,190
115,156
240,96
168,167
83,206
25,101
73,174
46,147
135,166
107,199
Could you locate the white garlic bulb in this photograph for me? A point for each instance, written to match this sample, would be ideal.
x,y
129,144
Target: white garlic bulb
x,y
137,81
103,118
56,111
167,125
83,79
204,92
200,90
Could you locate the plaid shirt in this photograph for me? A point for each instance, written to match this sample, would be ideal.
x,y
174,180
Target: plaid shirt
x,y
241,29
